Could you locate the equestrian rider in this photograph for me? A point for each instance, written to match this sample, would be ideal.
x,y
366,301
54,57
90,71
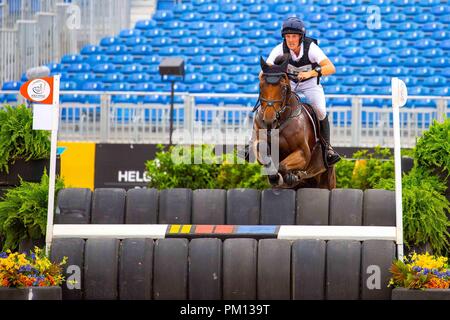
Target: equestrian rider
x,y
308,62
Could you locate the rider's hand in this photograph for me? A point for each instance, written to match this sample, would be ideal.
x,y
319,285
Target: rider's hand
x,y
305,75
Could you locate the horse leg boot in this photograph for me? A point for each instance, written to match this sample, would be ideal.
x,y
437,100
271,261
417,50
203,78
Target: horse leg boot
x,y
332,156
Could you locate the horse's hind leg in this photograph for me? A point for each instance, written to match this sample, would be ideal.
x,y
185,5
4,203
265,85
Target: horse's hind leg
x,y
327,179
295,161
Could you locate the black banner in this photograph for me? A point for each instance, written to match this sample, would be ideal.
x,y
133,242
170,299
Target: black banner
x,y
122,165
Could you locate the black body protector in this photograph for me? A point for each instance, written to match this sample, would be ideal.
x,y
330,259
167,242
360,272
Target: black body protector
x,y
303,64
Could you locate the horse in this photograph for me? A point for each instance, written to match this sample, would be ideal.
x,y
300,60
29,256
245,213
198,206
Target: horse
x,y
301,160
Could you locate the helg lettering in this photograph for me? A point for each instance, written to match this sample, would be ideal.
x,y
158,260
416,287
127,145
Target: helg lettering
x,y
132,176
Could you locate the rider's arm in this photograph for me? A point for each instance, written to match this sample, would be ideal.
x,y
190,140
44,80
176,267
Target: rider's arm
x,y
327,68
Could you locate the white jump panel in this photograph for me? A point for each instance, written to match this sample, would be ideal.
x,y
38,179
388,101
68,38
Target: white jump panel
x,y
337,233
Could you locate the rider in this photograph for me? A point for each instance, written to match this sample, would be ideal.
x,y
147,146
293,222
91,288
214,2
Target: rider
x,y
308,62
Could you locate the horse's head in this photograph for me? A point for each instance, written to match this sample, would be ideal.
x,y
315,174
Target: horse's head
x,y
275,89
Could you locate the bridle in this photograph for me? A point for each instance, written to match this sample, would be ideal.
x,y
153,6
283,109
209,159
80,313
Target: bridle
x,y
274,78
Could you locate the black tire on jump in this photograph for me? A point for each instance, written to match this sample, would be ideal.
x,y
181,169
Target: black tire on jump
x,y
308,269
205,269
108,206
313,206
239,269
278,207
379,208
175,206
136,269
142,206
346,207
377,257
243,206
101,268
73,206
73,249
274,269
343,270
170,273
208,206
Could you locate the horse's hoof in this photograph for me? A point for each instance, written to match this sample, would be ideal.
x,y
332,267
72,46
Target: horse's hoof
x,y
290,179
274,178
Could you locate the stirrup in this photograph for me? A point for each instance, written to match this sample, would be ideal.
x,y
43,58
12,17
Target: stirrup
x,y
332,156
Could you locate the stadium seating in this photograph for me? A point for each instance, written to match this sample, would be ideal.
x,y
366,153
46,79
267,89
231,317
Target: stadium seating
x,y
221,42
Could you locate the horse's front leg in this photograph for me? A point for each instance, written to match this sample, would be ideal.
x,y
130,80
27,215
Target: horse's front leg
x,y
297,160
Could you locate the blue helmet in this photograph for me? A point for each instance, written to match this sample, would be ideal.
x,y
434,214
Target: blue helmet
x,y
293,25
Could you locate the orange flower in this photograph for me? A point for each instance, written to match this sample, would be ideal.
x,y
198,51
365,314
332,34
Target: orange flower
x,y
437,283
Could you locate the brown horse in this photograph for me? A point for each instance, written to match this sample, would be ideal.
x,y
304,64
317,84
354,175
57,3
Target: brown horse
x,y
283,121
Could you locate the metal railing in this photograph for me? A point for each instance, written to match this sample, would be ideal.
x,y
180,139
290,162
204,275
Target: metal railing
x,y
110,121
40,32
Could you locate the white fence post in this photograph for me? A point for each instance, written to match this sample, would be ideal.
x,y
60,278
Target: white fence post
x,y
356,121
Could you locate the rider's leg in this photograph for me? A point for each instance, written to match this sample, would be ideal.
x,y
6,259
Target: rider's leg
x,y
316,98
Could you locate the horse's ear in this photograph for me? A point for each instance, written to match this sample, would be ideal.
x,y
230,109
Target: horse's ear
x,y
264,65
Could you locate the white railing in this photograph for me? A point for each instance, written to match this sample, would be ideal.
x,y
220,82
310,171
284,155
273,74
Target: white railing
x,y
40,32
108,121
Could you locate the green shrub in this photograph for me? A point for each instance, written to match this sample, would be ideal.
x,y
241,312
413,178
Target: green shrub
x,y
424,209
433,148
211,173
18,140
344,173
23,212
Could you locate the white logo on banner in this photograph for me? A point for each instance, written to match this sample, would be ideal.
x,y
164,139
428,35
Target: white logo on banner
x,y
38,90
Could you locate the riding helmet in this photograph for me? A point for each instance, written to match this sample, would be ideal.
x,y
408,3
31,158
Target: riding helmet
x,y
293,25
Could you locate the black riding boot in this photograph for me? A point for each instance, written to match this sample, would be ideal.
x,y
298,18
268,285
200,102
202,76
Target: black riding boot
x,y
332,156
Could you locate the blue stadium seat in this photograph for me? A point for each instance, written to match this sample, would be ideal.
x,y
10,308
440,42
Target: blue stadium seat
x,y
239,16
220,51
273,26
194,16
388,34
214,43
389,61
193,78
418,91
314,33
198,25
371,71
150,60
267,43
359,90
440,10
331,51
202,60
68,86
244,79
230,33
161,42
211,69
92,86
142,50
104,68
446,72
216,78
122,59
79,67
193,51
440,35
329,80
70,98
236,69
333,89
71,58
258,8
362,34
251,60
445,44
433,26
175,24
440,62
370,43
335,10
424,44
318,17
407,52
143,87
182,7
231,8
346,17
122,86
163,15
433,53
329,25
339,61
169,51
334,34
226,88
378,52
408,26
91,49
409,81
435,81
397,44
379,81
230,60
353,52
396,71
146,24
352,3
55,67
200,88
135,41
352,80
285,9
215,17
415,62
251,25
152,33
128,33
360,61
412,11
249,51
257,34
423,71
423,18
251,88
179,33
208,7
188,42
113,77
138,78
395,17
403,3
353,26
443,91
117,49
83,77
